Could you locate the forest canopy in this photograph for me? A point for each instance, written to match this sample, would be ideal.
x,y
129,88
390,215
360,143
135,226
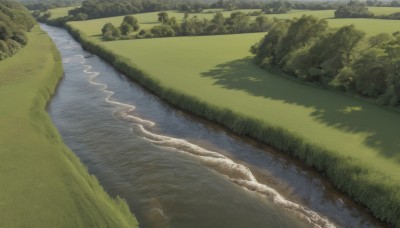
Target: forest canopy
x,y
15,20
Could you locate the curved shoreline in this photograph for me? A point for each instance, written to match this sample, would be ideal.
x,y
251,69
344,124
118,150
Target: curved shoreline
x,y
367,186
45,183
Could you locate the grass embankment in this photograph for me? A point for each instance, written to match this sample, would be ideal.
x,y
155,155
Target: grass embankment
x,y
355,143
42,183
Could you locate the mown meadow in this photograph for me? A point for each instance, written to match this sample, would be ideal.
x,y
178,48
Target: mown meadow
x,y
224,75
148,20
353,141
60,12
42,183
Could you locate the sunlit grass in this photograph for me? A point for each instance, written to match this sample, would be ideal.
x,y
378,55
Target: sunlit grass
x,y
42,183
148,20
354,142
60,12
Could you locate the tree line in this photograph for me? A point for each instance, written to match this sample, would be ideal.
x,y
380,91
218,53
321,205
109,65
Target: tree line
x,y
15,20
43,6
343,58
356,9
92,9
237,22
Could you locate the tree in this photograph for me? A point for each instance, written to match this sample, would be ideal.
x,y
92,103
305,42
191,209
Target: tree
x,y
267,47
218,24
132,21
238,22
371,74
395,3
300,32
110,32
126,28
353,10
277,7
261,24
392,93
162,31
5,31
346,39
162,17
36,14
378,40
80,17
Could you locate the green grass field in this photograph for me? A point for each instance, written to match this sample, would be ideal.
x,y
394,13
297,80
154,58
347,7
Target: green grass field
x,y
217,69
370,26
42,183
60,12
148,20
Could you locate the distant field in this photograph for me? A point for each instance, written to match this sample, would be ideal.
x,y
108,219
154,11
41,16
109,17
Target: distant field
x,y
60,12
370,26
42,183
148,20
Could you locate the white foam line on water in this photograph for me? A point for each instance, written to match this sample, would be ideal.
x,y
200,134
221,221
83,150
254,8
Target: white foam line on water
x,y
124,109
237,173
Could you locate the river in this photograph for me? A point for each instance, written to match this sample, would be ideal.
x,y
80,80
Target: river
x,y
177,170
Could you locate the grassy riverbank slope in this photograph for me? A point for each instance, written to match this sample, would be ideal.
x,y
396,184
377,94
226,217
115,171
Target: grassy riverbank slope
x,y
42,183
354,142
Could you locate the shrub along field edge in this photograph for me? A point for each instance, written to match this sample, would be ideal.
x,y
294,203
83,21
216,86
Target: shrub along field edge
x,y
363,183
82,187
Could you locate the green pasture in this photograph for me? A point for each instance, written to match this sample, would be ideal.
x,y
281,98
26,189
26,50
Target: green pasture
x,y
369,25
330,14
219,70
42,183
148,20
60,12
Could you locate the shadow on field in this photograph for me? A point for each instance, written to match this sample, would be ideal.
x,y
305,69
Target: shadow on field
x,y
332,109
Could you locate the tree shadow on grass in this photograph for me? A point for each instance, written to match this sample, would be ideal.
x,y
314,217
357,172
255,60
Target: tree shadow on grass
x,y
332,109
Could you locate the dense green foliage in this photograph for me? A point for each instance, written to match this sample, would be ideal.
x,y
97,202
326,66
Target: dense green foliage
x,y
15,20
237,22
43,183
277,7
394,3
393,16
342,58
338,135
108,8
43,6
353,9
129,24
92,9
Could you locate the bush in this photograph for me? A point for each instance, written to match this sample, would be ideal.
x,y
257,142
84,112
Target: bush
x,y
162,31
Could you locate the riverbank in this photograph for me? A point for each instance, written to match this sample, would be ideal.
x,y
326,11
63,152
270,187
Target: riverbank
x,y
373,184
43,184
